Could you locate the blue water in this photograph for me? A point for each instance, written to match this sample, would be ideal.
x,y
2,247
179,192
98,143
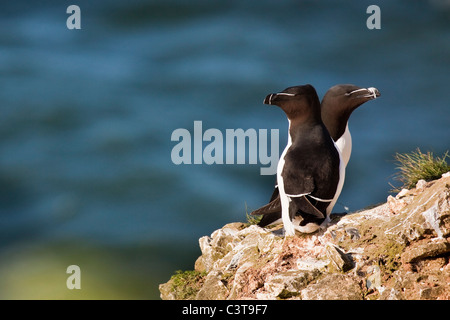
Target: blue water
x,y
86,119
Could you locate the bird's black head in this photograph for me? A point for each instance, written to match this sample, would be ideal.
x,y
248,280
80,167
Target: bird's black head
x,y
339,102
297,102
348,96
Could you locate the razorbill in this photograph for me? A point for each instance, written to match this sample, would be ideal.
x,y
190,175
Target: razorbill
x,y
308,171
337,105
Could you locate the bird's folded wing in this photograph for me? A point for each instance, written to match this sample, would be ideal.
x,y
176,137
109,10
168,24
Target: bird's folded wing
x,y
312,210
271,207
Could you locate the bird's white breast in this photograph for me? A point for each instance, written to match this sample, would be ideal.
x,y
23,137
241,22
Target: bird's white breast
x,y
288,226
344,146
344,143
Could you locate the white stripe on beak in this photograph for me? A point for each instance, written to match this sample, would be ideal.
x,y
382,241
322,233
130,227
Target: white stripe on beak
x,y
373,91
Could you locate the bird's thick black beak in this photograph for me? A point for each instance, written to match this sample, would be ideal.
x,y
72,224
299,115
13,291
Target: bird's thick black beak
x,y
273,97
372,93
268,99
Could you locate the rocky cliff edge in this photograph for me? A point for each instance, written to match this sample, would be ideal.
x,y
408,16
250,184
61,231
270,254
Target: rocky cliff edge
x,y
396,250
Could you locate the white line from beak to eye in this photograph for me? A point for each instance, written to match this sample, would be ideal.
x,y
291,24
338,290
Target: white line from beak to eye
x,y
286,94
357,90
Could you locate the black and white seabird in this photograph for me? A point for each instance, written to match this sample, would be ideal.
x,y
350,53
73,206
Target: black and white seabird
x,y
308,171
337,105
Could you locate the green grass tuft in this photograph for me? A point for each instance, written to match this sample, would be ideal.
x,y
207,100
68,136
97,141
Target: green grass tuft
x,y
416,165
251,220
186,284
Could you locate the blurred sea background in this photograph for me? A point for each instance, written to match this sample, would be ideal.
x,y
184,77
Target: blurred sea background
x,y
86,118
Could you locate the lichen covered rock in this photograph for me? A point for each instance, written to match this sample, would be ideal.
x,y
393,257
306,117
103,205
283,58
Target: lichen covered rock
x,y
396,250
